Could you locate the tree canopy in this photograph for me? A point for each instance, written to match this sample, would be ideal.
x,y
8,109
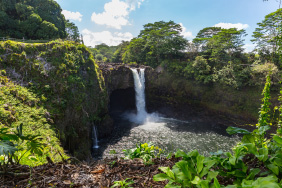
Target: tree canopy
x,y
157,41
268,33
32,19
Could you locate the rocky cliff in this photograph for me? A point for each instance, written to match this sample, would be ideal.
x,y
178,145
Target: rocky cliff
x,y
69,84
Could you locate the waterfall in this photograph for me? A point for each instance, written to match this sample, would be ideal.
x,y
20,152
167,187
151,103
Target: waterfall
x,y
139,86
94,138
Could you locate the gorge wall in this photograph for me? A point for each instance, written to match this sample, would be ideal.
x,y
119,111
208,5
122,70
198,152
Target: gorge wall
x,y
181,98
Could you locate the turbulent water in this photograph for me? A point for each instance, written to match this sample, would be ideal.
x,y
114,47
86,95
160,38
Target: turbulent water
x,y
169,134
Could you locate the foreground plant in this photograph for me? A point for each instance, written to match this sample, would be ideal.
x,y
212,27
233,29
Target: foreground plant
x,y
13,143
123,183
193,170
145,151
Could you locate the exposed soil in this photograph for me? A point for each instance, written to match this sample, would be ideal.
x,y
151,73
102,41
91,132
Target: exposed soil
x,y
98,174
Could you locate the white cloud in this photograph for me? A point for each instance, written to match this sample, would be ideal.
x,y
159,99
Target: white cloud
x,y
116,13
112,39
186,34
132,4
72,15
239,26
249,47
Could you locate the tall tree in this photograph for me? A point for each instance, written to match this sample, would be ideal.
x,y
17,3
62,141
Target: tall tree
x,y
33,19
156,42
220,45
226,44
266,36
72,31
203,37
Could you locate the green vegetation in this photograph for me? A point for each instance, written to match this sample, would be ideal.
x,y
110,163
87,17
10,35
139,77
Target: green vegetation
x,y
145,151
123,184
103,52
35,19
65,80
267,36
40,19
157,42
21,109
13,153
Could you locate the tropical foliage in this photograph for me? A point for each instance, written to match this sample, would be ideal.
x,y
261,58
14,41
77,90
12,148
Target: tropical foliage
x,y
255,162
41,19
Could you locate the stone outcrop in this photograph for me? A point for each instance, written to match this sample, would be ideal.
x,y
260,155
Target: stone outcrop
x,y
116,76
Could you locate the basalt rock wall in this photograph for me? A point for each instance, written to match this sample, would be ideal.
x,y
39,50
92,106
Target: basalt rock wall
x,y
186,99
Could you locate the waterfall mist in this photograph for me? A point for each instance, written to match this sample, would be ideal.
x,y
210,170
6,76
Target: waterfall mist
x,y
141,117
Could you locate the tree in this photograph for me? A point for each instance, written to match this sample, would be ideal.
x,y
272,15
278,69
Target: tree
x,y
157,41
268,33
33,19
220,45
117,57
204,35
72,31
226,44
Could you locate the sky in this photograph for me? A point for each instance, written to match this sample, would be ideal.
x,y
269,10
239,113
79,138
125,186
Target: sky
x,y
111,21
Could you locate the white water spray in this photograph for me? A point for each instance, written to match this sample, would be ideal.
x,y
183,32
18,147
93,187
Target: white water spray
x,y
94,138
139,85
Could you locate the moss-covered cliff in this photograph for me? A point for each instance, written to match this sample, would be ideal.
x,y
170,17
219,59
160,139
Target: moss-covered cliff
x,y
68,83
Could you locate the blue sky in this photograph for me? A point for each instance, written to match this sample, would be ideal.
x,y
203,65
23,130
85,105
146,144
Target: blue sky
x,y
111,21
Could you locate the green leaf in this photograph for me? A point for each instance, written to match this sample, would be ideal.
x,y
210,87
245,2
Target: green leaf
x,y
172,186
277,139
232,160
237,173
200,163
204,171
263,154
263,129
209,162
7,147
251,148
168,172
193,153
161,177
212,175
248,138
196,180
204,184
216,183
183,165
273,168
236,130
253,173
266,182
181,153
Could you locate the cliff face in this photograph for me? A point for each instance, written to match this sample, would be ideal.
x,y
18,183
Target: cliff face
x,y
184,98
117,76
64,76
181,98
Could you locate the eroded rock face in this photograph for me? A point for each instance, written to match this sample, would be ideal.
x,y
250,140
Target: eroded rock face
x,y
186,99
117,76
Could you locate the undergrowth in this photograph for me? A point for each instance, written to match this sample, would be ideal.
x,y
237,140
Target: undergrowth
x,y
19,107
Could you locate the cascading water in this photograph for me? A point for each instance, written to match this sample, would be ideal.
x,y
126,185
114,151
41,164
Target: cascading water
x,y
139,86
94,138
